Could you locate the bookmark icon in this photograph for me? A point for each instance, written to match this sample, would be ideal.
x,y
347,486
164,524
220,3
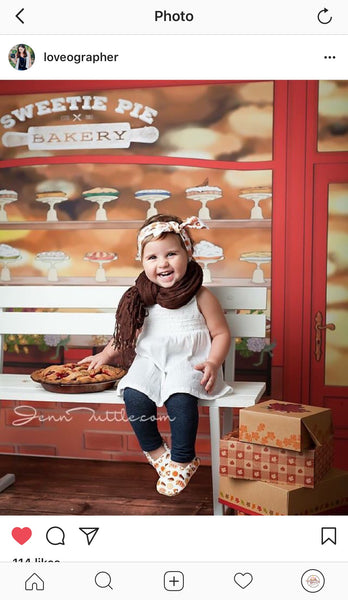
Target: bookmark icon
x,y
328,534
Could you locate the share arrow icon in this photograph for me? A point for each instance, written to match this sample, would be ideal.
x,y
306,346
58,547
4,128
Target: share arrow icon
x,y
90,533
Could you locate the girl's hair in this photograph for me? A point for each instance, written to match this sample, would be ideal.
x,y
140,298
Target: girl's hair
x,y
21,46
163,219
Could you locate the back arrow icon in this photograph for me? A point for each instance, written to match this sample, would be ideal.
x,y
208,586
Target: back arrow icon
x,y
18,17
320,17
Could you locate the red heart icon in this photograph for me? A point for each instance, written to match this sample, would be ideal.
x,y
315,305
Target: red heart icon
x,y
21,535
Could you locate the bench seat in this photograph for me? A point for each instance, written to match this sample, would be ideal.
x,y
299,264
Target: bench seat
x,y
22,388
79,299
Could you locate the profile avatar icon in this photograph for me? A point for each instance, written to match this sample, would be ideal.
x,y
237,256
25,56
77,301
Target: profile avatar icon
x,y
21,57
313,581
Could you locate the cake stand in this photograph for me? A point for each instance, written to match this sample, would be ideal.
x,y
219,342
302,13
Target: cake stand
x,y
205,261
3,202
258,274
52,200
51,261
204,197
100,274
256,212
5,274
101,215
152,196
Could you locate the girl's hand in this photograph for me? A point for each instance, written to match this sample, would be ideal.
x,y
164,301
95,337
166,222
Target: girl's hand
x,y
95,360
209,371
107,356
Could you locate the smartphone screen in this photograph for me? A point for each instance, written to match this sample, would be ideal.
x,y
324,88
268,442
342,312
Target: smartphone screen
x,y
173,284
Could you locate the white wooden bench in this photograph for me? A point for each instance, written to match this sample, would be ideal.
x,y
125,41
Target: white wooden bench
x,y
105,298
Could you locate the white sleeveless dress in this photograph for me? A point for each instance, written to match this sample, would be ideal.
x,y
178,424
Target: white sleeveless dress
x,y
171,343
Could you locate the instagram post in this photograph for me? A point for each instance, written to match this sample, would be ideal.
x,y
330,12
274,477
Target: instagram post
x,y
156,201
173,294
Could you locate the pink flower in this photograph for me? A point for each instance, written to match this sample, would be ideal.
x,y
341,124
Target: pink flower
x,y
256,344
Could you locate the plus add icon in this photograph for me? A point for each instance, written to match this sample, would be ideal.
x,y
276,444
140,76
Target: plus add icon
x,y
173,581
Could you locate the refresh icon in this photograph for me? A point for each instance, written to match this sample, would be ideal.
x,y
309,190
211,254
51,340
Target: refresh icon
x,y
323,17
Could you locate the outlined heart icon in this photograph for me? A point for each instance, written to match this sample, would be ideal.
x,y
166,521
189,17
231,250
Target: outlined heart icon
x,y
21,534
243,579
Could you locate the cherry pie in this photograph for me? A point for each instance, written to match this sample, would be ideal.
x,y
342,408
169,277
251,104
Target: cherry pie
x,y
73,373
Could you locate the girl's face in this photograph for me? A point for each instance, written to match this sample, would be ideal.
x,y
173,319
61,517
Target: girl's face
x,y
21,49
165,261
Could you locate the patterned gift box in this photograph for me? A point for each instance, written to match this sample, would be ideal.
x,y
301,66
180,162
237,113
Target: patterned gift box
x,y
243,460
268,498
285,425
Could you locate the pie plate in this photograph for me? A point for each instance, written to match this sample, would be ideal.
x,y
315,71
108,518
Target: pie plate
x,y
75,388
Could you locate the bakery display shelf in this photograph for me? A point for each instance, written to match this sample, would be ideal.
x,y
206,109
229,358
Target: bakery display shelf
x,y
212,224
218,281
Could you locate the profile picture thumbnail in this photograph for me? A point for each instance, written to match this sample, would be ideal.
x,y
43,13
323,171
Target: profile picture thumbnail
x,y
21,57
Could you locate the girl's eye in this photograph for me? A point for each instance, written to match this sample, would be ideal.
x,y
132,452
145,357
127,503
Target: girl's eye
x,y
151,257
171,253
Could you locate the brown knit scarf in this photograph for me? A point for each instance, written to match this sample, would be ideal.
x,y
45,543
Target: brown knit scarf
x,y
131,310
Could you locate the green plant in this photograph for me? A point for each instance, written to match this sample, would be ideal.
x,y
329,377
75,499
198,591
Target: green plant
x,y
248,346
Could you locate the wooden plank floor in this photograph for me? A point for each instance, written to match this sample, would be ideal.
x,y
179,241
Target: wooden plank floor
x,y
54,486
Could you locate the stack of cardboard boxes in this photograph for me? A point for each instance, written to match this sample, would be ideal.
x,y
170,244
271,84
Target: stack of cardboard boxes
x,y
280,462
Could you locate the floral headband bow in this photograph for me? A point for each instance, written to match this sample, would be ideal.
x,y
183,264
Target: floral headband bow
x,y
158,227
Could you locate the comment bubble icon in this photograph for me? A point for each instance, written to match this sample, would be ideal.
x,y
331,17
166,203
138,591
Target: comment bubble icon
x,y
55,536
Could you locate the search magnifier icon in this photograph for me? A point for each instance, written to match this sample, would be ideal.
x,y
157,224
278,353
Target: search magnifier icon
x,y
103,579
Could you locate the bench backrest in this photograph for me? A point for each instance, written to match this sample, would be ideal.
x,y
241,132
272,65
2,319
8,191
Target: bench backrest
x,y
82,299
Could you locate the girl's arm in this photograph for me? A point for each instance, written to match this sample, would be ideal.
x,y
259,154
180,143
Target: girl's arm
x,y
220,336
107,356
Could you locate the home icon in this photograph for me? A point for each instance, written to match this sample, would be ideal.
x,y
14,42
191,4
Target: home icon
x,y
34,582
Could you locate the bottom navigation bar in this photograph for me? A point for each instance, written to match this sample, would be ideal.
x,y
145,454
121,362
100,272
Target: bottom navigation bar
x,y
189,580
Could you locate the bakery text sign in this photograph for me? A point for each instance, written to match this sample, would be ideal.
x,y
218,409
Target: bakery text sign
x,y
82,136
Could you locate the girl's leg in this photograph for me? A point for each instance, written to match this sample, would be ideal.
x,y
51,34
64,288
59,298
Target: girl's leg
x,y
142,415
183,412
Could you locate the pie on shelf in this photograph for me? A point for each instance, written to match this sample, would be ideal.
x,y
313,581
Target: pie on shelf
x,y
55,194
73,373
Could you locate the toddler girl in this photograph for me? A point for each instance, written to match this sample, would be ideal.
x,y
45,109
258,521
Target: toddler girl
x,y
172,334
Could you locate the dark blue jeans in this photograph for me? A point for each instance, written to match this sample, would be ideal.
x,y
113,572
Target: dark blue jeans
x,y
182,411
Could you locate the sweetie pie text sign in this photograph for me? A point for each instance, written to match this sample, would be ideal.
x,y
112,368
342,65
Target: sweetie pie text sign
x,y
113,134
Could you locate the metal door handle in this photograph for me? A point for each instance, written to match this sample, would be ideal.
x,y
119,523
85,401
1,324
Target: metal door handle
x,y
330,326
318,319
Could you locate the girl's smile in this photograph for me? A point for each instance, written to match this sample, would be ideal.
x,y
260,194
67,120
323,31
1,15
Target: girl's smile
x,y
165,261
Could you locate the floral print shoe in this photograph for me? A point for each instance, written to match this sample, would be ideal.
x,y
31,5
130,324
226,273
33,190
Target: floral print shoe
x,y
175,477
161,462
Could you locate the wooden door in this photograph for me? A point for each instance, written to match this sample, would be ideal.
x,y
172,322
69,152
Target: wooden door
x,y
329,308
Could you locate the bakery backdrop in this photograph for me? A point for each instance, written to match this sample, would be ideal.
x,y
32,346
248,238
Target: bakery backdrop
x,y
81,168
215,123
89,234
